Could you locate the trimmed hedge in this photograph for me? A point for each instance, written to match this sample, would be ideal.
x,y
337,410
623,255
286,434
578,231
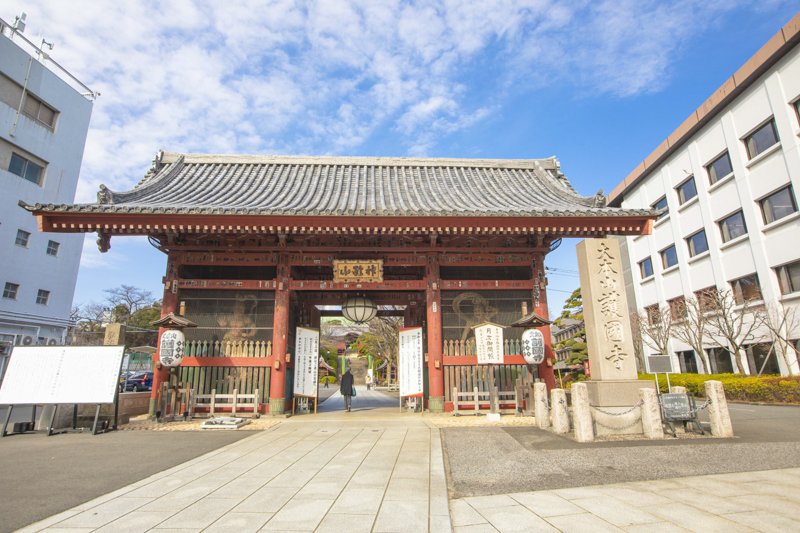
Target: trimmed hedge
x,y
769,389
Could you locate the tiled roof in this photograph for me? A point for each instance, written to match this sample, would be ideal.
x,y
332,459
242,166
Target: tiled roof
x,y
349,186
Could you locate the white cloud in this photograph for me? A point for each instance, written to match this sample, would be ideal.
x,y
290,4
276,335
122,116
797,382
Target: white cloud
x,y
325,77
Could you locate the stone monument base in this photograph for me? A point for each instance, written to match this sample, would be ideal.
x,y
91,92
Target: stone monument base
x,y
611,402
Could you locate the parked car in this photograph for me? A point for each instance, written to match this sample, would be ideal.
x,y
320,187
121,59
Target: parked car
x,y
123,377
139,381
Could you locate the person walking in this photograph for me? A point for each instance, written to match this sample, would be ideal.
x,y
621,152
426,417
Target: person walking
x,y
346,389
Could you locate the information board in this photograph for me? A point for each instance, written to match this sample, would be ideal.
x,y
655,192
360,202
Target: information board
x,y
410,362
306,362
660,364
676,406
489,344
62,374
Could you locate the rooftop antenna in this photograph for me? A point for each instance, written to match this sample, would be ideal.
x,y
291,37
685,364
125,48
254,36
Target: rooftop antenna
x,y
19,23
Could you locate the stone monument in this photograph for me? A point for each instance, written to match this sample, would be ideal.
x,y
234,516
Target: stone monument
x,y
613,388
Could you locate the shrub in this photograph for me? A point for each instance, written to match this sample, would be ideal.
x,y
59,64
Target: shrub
x,y
770,389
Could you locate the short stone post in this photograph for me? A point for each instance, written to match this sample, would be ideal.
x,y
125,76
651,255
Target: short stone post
x,y
677,389
651,414
558,405
540,409
718,410
581,413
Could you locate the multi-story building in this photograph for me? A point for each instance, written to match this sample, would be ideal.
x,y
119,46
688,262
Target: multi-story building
x,y
728,180
44,119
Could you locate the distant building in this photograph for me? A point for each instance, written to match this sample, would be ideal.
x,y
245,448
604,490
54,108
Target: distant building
x,y
564,330
44,119
728,180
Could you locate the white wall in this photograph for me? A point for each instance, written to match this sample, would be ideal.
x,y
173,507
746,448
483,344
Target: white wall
x,y
62,150
763,248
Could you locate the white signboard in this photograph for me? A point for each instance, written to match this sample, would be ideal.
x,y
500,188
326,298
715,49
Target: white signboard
x,y
410,363
170,351
306,362
489,344
62,374
533,346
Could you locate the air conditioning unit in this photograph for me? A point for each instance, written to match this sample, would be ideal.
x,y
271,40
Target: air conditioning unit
x,y
27,340
52,342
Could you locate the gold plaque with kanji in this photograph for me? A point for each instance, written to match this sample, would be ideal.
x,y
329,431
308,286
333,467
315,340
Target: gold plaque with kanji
x,y
358,271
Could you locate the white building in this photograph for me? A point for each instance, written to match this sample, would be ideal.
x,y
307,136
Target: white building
x,y
729,179
44,119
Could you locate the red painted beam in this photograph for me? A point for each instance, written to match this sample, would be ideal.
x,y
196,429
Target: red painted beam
x,y
455,360
226,361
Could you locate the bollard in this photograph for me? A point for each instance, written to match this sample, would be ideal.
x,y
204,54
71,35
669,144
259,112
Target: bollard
x,y
651,414
718,410
540,409
560,412
581,413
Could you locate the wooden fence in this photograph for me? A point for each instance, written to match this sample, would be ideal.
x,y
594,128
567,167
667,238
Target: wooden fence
x,y
226,379
467,347
228,348
468,377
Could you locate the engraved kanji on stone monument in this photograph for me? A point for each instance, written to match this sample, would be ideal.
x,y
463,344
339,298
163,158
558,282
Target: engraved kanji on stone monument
x,y
608,331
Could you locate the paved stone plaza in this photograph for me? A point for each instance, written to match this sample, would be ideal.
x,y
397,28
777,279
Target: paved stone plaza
x,y
375,469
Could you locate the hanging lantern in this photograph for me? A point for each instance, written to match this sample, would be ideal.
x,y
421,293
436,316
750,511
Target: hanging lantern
x,y
170,352
359,309
533,346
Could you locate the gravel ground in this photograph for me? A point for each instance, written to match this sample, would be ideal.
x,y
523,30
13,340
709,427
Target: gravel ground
x,y
484,461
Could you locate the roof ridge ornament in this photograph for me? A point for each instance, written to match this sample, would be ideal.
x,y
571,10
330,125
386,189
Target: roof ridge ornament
x,y
599,199
104,195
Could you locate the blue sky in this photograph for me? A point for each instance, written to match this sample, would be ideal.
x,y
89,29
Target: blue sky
x,y
597,84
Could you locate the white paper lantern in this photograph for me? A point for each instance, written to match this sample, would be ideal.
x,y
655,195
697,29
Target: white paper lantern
x,y
359,309
170,352
533,346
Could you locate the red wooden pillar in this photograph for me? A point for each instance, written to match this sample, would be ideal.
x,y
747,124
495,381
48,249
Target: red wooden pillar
x,y
540,294
280,334
169,304
433,301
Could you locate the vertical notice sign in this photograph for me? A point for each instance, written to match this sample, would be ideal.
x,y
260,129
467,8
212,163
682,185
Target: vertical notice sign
x,y
411,361
489,344
306,362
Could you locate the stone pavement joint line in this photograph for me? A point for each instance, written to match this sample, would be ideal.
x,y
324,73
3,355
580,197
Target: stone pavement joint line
x,y
375,471
767,500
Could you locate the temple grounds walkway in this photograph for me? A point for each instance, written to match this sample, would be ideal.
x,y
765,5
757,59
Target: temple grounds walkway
x,y
377,470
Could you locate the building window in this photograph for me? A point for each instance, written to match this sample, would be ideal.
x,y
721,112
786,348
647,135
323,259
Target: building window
x,y
732,226
677,308
697,243
669,257
646,268
10,291
25,169
39,111
686,191
746,289
778,205
789,277
720,360
706,298
761,358
22,238
761,139
652,313
42,297
661,204
719,168
52,248
687,362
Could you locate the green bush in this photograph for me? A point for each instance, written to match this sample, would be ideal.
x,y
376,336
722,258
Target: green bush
x,y
770,389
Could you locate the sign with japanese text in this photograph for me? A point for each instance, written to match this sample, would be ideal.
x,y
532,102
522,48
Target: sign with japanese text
x,y
489,344
306,362
358,271
533,346
410,362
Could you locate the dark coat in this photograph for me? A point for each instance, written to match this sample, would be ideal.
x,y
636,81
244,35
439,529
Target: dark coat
x,y
346,388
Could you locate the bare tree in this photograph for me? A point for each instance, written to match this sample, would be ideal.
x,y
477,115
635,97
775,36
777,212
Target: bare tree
x,y
731,323
654,327
128,299
783,323
693,329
